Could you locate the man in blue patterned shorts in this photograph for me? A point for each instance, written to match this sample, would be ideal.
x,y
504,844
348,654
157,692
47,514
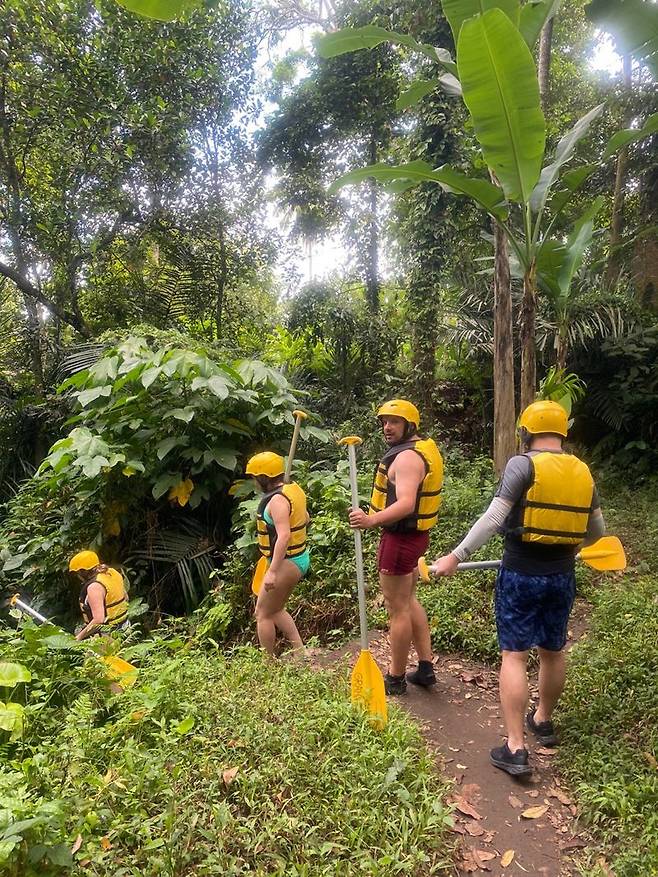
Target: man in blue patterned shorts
x,y
548,507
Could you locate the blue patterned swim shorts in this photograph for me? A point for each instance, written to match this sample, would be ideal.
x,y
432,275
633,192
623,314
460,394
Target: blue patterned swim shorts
x,y
533,610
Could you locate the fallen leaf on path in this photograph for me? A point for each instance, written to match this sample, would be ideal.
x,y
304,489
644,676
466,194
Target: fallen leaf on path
x,y
514,801
607,870
465,808
458,828
76,846
471,792
468,865
544,750
507,858
562,798
474,829
574,843
484,855
105,843
469,676
534,793
480,862
454,749
229,775
535,812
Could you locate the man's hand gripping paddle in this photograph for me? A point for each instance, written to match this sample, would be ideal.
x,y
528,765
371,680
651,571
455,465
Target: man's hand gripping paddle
x,y
606,554
118,670
261,566
367,680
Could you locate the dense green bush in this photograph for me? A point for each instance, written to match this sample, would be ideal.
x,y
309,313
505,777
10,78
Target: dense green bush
x,y
219,765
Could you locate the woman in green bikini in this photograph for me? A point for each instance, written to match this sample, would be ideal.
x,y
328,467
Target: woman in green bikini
x,y
281,525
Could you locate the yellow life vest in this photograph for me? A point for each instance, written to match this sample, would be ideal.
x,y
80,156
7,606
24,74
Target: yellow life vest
x,y
428,498
556,507
116,598
267,532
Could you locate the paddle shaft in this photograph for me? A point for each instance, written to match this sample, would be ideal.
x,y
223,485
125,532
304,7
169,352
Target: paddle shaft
x,y
358,550
299,416
28,610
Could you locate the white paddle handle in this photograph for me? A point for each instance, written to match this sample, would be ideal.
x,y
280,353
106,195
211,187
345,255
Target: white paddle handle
x,y
28,610
299,416
358,550
479,564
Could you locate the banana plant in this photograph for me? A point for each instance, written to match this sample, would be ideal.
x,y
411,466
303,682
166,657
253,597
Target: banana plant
x,y
497,78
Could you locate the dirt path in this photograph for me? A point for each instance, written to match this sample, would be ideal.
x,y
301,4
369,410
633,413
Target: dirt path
x,y
494,813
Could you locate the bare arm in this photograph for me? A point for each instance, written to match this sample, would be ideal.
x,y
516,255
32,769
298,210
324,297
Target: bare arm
x,y
409,473
279,509
96,601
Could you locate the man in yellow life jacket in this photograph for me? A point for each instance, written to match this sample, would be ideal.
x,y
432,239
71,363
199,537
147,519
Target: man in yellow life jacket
x,y
103,598
547,506
405,502
281,522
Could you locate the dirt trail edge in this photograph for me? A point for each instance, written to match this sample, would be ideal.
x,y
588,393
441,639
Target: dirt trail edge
x,y
505,825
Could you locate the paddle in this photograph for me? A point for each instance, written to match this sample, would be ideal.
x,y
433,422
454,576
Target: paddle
x,y
367,680
261,566
606,554
118,670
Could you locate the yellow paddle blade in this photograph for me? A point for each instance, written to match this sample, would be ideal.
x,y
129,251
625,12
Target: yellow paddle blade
x,y
120,671
368,690
259,575
605,554
423,570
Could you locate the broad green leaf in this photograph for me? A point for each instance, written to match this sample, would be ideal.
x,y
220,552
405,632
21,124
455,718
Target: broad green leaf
x,y
60,641
633,25
416,92
533,16
133,466
165,446
488,196
12,673
557,262
572,181
164,483
458,11
450,84
15,562
11,719
87,396
162,10
499,81
563,153
149,376
184,414
351,39
91,466
631,135
218,386
185,726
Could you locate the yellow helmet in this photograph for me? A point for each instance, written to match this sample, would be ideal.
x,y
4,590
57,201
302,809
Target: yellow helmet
x,y
267,463
400,408
83,560
545,416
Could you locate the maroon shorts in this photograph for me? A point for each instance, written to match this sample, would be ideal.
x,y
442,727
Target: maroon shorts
x,y
399,552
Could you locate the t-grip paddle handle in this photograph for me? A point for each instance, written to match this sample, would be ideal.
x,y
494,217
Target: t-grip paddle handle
x,y
299,415
351,441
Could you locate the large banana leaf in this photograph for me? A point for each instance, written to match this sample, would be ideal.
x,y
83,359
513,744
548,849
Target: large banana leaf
x,y
563,154
484,193
163,10
631,135
534,15
499,81
633,25
571,183
458,11
351,39
557,262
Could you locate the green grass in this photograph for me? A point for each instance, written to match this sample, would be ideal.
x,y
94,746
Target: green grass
x,y
142,779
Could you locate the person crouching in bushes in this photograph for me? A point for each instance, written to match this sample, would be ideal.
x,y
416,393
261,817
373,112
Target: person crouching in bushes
x,y
103,598
281,523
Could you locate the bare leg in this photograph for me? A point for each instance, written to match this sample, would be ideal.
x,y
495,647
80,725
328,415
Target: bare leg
x,y
513,684
421,636
270,612
397,592
552,675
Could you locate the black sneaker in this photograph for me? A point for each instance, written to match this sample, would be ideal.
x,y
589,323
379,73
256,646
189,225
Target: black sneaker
x,y
543,731
395,684
514,763
422,675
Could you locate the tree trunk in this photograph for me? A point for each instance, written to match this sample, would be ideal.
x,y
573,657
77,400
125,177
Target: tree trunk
x,y
562,349
34,343
221,281
504,444
372,259
528,352
613,268
544,65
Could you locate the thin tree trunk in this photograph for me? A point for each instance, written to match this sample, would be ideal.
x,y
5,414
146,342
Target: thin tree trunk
x,y
613,267
372,262
544,65
221,283
528,352
34,342
503,361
